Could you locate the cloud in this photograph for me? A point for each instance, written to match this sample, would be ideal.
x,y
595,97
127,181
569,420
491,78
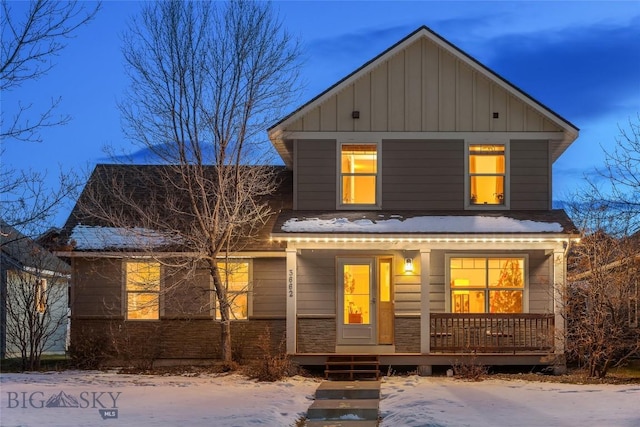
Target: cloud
x,y
581,73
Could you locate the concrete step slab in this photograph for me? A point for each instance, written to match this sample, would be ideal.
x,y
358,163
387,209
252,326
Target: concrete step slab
x,y
357,409
342,423
348,390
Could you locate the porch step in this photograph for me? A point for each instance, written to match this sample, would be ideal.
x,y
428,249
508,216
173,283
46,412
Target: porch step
x,y
343,409
342,423
353,366
348,390
345,404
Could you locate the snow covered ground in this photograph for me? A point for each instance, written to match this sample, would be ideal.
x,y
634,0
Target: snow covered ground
x,y
110,399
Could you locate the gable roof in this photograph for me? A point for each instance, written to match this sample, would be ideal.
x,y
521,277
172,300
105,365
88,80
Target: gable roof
x,y
22,252
277,132
84,231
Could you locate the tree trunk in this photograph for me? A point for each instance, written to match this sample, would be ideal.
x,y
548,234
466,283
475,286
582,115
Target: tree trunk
x,y
225,315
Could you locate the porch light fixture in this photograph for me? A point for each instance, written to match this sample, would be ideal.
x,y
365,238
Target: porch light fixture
x,y
408,265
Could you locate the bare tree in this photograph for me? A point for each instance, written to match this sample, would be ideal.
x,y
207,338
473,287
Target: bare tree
x,y
602,302
616,186
29,203
34,299
206,79
32,35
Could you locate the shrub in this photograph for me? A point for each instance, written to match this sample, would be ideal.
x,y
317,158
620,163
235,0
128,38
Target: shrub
x,y
271,366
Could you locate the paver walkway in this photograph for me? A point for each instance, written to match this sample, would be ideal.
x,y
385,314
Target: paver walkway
x,y
345,404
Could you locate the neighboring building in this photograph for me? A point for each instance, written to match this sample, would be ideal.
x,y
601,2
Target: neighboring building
x,y
415,223
34,299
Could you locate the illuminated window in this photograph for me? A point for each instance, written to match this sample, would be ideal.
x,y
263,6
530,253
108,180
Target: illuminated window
x,y
487,174
487,285
357,287
235,276
358,174
41,295
143,290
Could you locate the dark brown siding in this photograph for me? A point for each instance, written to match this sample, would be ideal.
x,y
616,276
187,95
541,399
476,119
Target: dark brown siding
x,y
97,287
269,287
425,175
173,339
315,174
530,175
187,294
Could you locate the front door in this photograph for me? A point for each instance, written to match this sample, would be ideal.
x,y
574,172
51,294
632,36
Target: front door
x,y
365,301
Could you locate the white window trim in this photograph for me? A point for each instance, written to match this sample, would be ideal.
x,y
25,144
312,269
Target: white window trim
x,y
249,290
447,261
507,175
378,204
125,292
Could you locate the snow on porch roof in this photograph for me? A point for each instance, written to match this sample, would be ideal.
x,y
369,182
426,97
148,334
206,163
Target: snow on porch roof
x,y
422,223
102,238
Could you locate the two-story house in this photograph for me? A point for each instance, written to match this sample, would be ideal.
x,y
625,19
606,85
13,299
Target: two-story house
x,y
420,224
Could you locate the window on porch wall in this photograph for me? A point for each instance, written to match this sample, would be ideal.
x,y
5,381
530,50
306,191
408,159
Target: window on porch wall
x,y
487,285
487,174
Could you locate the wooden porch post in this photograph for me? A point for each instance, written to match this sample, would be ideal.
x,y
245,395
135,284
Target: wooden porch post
x,y
559,290
425,290
292,297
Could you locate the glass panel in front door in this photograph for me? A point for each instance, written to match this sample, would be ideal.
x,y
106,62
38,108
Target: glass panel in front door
x,y
357,279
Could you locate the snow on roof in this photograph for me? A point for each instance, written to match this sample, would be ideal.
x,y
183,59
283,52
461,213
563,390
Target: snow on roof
x,y
99,238
421,224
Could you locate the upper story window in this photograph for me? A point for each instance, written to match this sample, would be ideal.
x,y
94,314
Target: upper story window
x,y
143,290
487,284
487,175
359,176
235,276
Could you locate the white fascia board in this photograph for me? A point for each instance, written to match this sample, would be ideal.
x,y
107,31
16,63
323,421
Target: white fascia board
x,y
160,255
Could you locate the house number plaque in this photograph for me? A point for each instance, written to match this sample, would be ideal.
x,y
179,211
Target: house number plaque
x,y
290,283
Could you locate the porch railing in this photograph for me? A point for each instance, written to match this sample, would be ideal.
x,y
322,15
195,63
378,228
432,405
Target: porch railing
x,y
492,333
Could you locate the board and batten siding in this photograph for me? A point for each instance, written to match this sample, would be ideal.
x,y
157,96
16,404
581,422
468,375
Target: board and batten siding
x,y
418,174
423,88
530,175
269,288
97,287
315,175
